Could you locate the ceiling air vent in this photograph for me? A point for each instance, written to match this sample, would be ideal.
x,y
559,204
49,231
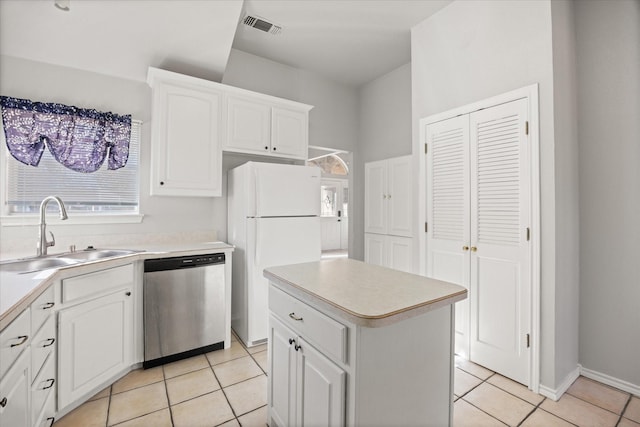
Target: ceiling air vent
x,y
262,24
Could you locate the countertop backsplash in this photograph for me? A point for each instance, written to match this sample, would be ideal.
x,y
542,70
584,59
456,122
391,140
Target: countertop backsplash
x,y
23,247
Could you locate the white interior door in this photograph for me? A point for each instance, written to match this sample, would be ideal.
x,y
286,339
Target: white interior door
x,y
448,235
500,292
332,212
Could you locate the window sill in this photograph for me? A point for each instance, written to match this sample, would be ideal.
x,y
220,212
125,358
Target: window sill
x,y
74,219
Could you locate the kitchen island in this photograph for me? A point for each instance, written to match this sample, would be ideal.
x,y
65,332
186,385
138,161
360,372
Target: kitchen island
x,y
359,345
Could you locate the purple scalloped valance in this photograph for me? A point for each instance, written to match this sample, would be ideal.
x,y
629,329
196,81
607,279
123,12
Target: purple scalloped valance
x,y
78,138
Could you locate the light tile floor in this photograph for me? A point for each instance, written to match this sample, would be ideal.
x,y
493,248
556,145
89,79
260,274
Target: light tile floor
x,y
229,388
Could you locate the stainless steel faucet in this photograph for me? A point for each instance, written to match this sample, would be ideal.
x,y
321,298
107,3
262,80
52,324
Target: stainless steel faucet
x,y
43,244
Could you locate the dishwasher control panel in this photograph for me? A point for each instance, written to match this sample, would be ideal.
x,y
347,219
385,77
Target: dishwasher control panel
x,y
175,263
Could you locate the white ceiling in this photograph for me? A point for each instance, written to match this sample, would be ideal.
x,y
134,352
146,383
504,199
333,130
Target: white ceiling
x,y
349,41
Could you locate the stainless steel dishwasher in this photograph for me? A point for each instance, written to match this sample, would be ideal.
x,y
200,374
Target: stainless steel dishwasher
x,y
184,310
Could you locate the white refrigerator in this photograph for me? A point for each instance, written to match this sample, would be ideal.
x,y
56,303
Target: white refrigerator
x,y
273,219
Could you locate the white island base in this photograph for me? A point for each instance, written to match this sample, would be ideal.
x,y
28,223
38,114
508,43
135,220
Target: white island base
x,y
359,345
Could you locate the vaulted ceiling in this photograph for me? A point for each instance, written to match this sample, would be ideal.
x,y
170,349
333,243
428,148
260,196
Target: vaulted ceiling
x,y
349,41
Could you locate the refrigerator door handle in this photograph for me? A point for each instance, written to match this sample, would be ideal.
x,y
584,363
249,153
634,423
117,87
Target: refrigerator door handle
x,y
257,245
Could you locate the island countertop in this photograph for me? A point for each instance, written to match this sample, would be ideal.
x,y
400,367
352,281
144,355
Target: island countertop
x,y
364,294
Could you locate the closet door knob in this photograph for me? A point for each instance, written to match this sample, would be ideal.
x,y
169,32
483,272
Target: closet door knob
x,y
465,248
473,249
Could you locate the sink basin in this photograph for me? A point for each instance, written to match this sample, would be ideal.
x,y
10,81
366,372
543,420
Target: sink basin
x,y
37,264
31,265
94,254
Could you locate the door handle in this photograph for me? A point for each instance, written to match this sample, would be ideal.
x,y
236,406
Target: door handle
x,y
465,248
473,249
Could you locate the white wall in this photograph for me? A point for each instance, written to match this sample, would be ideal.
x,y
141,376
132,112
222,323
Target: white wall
x,y
166,218
566,186
384,132
608,58
469,51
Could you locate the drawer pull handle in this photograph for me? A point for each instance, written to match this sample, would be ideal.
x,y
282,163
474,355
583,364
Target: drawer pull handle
x,y
50,385
297,347
128,294
294,317
48,305
24,339
50,342
52,419
3,402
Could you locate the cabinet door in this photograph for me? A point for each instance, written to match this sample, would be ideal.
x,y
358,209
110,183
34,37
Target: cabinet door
x,y
375,197
282,366
399,200
248,125
187,156
15,393
321,389
289,132
400,253
375,249
95,344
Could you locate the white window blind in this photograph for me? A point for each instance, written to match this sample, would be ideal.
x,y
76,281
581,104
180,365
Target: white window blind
x,y
102,192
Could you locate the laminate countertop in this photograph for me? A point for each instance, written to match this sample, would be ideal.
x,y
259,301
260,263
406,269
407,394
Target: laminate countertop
x,y
364,294
18,290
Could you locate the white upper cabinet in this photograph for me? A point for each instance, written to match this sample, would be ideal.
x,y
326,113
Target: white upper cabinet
x,y
248,125
260,124
289,132
388,208
194,120
186,157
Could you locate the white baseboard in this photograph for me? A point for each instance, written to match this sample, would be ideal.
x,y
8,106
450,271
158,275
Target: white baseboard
x,y
609,380
555,394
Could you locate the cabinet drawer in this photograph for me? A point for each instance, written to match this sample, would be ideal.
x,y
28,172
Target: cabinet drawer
x,y
13,339
97,283
327,334
42,344
42,307
42,387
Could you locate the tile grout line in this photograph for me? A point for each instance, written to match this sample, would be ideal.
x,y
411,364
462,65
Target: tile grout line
x,y
106,422
235,417
624,409
166,391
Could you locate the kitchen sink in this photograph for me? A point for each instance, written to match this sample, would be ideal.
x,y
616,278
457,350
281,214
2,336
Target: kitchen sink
x,y
30,265
35,264
94,254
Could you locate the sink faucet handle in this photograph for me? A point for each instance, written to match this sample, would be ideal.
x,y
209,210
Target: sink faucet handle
x,y
52,242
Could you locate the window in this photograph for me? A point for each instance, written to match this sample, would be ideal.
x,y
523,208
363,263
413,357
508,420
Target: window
x,y
103,192
331,165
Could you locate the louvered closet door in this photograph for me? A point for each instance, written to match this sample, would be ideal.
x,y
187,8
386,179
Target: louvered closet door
x,y
500,267
447,171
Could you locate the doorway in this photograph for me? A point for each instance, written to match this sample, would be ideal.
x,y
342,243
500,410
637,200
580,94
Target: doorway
x,y
334,199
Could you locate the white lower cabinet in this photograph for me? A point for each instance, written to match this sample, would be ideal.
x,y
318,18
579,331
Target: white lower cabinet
x,y
96,333
326,371
389,251
306,387
15,392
